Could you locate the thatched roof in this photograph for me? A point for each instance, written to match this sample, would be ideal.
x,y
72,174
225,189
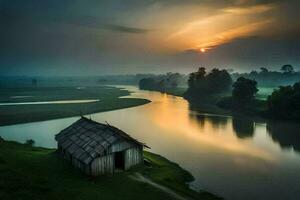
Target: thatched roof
x,y
86,139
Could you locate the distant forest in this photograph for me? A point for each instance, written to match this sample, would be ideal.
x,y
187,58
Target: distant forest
x,y
163,82
267,78
236,91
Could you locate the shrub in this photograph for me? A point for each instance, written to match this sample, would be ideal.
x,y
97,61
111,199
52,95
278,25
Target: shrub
x,y
244,89
285,102
30,142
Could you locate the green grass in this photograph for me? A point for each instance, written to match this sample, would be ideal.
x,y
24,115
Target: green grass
x,y
108,96
37,173
173,176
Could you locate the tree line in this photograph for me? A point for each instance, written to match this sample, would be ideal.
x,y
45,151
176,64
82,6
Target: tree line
x,y
265,77
283,103
162,82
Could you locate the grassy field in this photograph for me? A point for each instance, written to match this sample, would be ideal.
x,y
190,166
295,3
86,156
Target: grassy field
x,y
108,100
37,173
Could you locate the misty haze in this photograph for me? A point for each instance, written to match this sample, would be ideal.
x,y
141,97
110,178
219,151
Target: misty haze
x,y
148,99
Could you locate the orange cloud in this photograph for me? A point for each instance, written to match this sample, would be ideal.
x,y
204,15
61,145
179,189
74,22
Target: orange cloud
x,y
225,26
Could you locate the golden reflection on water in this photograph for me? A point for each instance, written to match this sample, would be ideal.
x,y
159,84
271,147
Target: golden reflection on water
x,y
215,149
172,114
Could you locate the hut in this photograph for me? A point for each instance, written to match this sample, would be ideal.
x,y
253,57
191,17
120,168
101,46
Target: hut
x,y
98,148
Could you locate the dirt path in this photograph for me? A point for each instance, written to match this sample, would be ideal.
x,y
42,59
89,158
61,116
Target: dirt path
x,y
141,178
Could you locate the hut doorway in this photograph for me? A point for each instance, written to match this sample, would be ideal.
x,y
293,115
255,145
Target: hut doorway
x,y
119,160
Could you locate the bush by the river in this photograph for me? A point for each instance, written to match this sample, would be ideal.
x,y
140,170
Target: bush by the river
x,y
243,97
201,83
284,103
30,142
244,89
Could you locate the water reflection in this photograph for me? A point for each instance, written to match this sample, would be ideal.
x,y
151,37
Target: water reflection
x,y
213,148
286,134
243,126
217,121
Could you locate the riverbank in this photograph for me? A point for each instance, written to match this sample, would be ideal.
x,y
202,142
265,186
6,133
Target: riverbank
x,y
219,105
206,105
109,99
39,173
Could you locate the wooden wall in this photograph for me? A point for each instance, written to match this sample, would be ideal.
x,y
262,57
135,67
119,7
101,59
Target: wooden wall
x,y
76,163
133,156
102,165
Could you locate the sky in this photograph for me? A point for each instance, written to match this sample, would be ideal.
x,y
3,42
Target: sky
x,y
92,37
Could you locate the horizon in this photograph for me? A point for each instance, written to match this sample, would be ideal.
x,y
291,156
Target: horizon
x,y
230,71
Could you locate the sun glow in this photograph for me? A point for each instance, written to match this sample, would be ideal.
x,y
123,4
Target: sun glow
x,y
210,30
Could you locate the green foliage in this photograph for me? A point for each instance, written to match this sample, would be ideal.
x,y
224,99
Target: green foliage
x,y
287,69
264,70
244,89
270,79
285,102
150,84
161,83
172,175
201,83
250,107
30,142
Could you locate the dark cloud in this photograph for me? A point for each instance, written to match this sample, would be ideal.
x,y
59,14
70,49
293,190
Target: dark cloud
x,y
100,23
125,29
251,52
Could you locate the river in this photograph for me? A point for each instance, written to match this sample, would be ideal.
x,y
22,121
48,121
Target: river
x,y
231,157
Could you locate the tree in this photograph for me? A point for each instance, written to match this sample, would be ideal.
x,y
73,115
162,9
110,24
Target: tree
x,y
285,102
218,81
30,142
161,82
201,72
287,68
147,84
264,70
244,89
202,84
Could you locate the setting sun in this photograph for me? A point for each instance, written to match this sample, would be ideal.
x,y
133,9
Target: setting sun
x,y
210,112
